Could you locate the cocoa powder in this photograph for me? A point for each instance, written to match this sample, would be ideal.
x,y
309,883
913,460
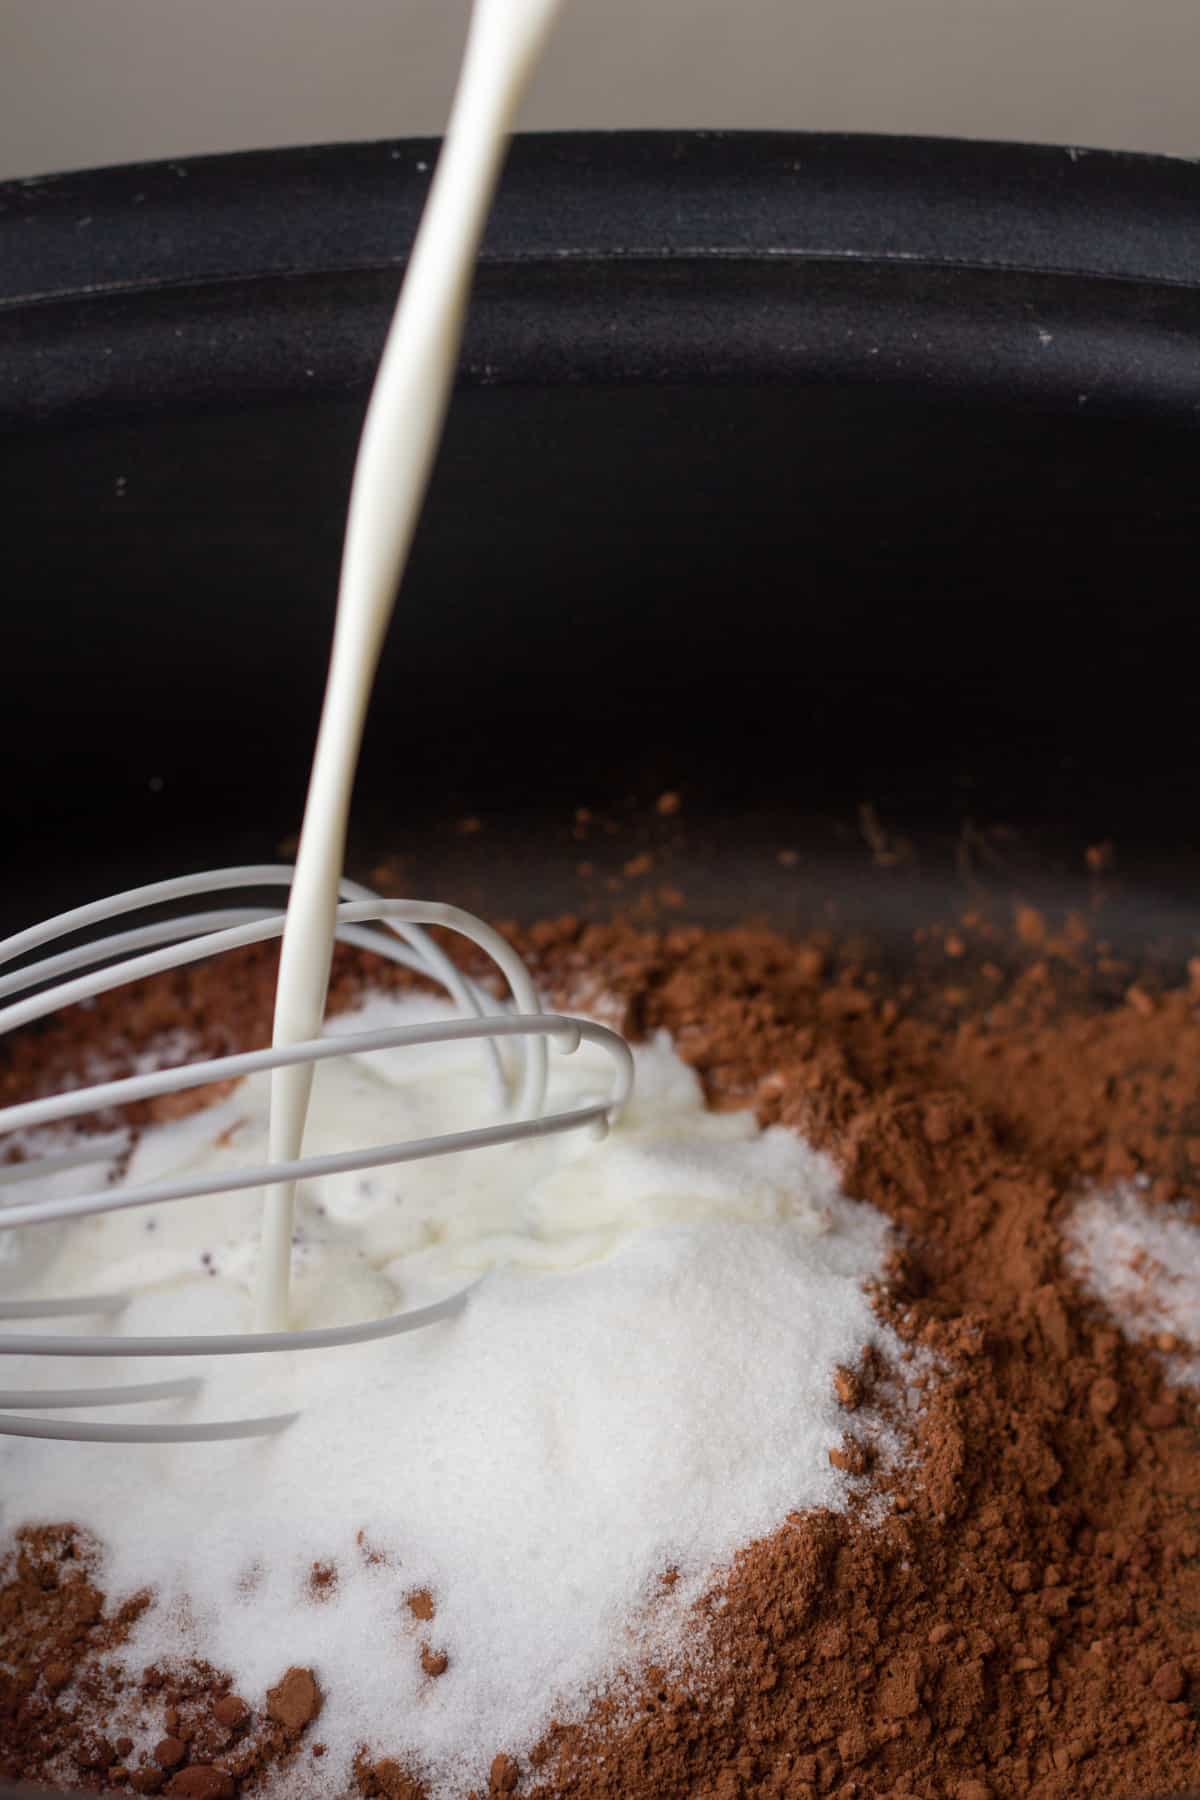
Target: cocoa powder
x,y
1025,1619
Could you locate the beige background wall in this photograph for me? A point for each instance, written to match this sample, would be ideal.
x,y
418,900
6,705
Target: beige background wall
x,y
94,81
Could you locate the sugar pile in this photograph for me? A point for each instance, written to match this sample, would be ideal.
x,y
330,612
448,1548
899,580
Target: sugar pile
x,y
1143,1263
641,1383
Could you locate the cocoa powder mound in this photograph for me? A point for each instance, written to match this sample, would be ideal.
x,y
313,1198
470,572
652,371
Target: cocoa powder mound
x,y
60,1690
1025,1619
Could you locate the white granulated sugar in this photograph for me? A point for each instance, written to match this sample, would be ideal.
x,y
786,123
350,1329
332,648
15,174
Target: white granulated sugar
x,y
1143,1263
642,1381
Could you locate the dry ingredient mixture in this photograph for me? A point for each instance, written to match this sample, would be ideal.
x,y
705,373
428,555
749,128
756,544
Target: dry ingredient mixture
x,y
1025,1619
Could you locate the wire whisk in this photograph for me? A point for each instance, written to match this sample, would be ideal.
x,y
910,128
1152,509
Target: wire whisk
x,y
393,929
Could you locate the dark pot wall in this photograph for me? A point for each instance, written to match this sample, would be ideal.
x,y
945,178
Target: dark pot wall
x,y
792,472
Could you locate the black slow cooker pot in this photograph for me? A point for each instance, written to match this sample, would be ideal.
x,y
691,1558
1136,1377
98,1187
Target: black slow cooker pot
x,y
844,486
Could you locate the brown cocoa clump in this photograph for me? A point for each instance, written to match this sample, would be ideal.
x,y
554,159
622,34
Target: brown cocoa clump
x,y
504,1775
1020,1620
386,1780
231,1711
848,1389
202,1781
1169,1681
322,1580
295,1701
850,1456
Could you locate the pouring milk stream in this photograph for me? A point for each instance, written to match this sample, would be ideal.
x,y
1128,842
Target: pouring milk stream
x,y
395,456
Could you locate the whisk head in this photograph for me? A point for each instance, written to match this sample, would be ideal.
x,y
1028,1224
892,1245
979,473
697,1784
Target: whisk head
x,y
393,929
